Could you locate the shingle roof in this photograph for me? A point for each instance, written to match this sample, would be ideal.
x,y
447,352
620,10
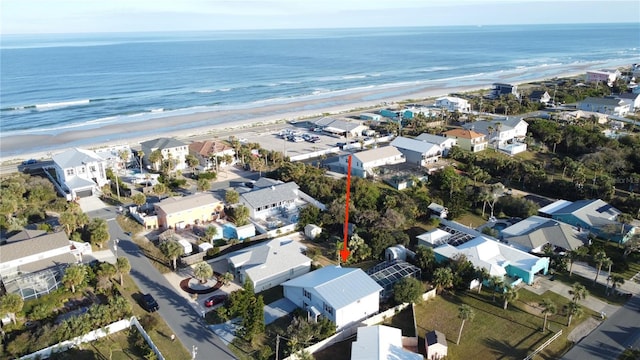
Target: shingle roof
x,y
418,146
338,286
464,133
75,157
162,143
270,258
551,232
602,101
26,234
208,148
176,204
377,154
35,245
264,182
338,124
271,195
594,212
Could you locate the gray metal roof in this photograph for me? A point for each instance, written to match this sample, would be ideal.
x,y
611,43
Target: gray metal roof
x,y
162,143
269,259
602,101
336,285
271,195
339,124
434,139
414,145
594,212
75,157
383,152
551,232
18,249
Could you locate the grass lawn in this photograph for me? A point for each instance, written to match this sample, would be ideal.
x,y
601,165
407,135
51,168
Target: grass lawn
x,y
495,333
246,350
597,290
273,294
469,218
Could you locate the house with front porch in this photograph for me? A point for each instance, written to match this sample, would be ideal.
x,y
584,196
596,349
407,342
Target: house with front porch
x,y
170,148
501,131
469,140
417,152
181,211
212,154
452,103
363,163
540,96
81,173
343,295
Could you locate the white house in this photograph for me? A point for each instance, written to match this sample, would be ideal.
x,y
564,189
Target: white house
x,y
113,156
417,152
605,105
436,345
443,142
500,131
604,75
540,96
452,104
80,172
363,162
269,264
341,127
343,295
632,99
170,148
271,200
380,342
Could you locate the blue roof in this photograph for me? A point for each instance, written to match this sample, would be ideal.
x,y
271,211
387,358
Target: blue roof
x,y
338,286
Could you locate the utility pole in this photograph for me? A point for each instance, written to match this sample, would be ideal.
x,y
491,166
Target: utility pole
x,y
277,345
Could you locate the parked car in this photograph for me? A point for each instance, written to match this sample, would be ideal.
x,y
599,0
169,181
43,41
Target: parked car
x,y
215,300
29,162
149,303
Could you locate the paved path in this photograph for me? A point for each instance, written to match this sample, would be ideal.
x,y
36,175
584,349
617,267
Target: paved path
x,y
543,284
589,272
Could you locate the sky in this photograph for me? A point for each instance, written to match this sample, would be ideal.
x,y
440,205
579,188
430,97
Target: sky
x,y
87,16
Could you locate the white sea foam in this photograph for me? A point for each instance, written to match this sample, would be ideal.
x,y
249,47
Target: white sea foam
x,y
62,104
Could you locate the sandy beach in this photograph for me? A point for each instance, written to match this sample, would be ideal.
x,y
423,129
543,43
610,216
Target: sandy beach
x,y
216,122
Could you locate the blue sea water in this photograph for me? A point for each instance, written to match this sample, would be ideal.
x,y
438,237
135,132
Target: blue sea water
x,y
56,83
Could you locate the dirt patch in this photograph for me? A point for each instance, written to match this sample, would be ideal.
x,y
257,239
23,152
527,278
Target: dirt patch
x,y
583,329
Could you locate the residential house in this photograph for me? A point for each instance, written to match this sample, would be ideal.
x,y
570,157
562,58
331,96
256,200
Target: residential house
x,y
390,113
341,127
435,344
594,215
633,100
417,152
501,131
443,142
269,201
469,140
32,262
438,211
535,232
182,211
605,105
363,163
343,295
172,149
501,89
269,264
370,117
80,172
540,96
572,116
114,154
381,342
413,111
605,75
212,154
452,104
488,253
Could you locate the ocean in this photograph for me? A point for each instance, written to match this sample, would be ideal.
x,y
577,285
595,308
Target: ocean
x,y
51,84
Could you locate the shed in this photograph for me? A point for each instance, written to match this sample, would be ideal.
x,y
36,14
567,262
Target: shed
x,y
205,246
435,344
246,231
186,245
312,231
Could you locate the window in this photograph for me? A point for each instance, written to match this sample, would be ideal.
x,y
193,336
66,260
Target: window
x,y
328,308
69,171
81,170
306,294
92,168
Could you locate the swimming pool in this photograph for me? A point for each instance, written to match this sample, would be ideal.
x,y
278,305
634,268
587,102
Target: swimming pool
x,y
229,231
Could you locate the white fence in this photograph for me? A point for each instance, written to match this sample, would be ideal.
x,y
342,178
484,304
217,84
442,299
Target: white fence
x,y
91,336
352,330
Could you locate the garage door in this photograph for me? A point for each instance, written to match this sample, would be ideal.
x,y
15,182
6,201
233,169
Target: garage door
x,y
84,193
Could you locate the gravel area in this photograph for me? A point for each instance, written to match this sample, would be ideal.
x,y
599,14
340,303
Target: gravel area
x,y
583,329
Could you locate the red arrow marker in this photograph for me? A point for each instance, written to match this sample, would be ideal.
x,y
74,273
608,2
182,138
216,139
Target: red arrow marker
x,y
344,253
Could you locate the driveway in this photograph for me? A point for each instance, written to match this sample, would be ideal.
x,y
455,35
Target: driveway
x,y
278,309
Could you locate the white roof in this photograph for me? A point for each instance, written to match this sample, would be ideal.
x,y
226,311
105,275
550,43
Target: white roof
x,y
418,146
384,152
452,99
527,225
270,258
338,286
434,139
490,254
553,207
177,204
380,343
435,236
76,157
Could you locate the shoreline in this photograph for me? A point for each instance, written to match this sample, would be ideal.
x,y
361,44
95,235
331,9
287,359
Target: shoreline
x,y
213,123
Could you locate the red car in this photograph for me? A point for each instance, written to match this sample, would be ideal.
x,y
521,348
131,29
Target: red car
x,y
215,300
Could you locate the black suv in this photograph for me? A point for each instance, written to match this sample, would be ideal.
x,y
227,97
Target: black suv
x,y
149,303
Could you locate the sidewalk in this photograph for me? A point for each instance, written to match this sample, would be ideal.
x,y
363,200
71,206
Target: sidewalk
x,y
543,284
589,272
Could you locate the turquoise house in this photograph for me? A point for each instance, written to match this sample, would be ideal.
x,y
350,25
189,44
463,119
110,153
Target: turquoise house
x,y
389,113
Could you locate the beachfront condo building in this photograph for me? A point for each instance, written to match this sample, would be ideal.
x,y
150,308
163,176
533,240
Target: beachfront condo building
x,y
171,149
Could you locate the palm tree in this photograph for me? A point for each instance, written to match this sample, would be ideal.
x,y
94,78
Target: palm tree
x,y
202,271
600,258
203,184
442,278
483,275
548,308
140,156
172,250
210,233
226,278
10,304
575,255
123,266
74,275
510,295
464,313
573,309
139,199
616,280
496,282
579,292
155,158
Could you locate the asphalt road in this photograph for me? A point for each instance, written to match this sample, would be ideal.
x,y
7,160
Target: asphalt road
x,y
619,332
183,320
